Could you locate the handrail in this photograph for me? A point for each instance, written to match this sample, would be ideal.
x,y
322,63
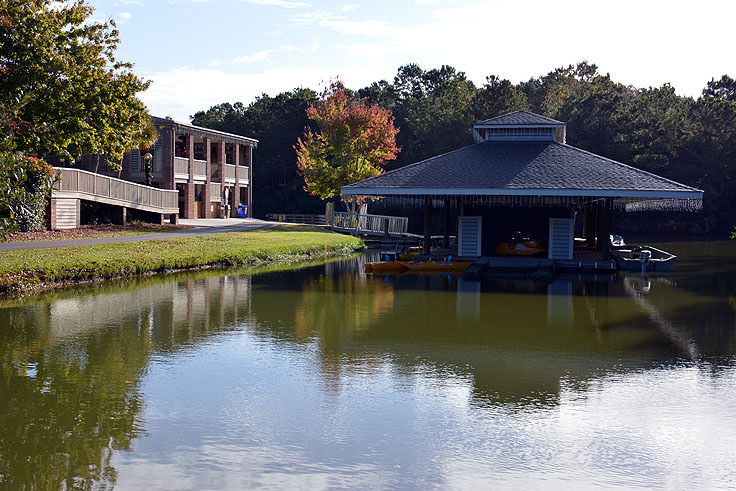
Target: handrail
x,y
360,224
117,190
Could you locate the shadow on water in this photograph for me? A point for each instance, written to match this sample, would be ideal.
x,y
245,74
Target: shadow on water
x,y
72,366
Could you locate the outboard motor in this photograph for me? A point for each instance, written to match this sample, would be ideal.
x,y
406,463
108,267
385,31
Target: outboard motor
x,y
644,257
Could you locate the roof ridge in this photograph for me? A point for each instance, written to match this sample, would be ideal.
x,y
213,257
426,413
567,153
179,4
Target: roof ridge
x,y
636,169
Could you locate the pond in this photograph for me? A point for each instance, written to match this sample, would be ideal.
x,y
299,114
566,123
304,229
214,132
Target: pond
x,y
325,377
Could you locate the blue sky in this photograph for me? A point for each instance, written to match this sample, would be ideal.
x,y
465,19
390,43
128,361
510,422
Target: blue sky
x,y
202,52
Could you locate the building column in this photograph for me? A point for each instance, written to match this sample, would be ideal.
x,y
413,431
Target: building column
x,y
446,223
235,198
249,149
168,136
604,216
207,193
427,227
189,210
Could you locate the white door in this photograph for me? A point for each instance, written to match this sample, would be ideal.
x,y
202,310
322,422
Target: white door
x,y
469,236
560,238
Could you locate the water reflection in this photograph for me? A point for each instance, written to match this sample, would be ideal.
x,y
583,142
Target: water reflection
x,y
213,375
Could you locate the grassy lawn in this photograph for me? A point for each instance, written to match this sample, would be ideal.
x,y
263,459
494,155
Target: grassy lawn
x,y
25,271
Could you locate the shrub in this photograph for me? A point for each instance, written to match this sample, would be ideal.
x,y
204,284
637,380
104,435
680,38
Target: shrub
x,y
25,183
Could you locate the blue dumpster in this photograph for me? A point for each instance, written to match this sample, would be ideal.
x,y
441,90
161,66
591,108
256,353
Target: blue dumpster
x,y
242,211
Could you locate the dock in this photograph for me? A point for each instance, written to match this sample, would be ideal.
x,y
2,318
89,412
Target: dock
x,y
534,267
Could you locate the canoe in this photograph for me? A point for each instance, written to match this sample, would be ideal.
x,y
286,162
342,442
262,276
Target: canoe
x,y
642,258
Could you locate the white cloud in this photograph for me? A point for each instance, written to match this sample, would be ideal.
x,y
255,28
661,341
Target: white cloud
x,y
262,55
349,7
278,3
124,17
137,3
215,62
343,26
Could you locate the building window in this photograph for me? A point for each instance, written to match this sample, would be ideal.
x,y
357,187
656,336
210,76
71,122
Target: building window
x,y
158,155
135,160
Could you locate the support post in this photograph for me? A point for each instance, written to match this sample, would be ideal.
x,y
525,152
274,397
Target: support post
x,y
427,227
189,208
604,217
207,192
235,198
446,223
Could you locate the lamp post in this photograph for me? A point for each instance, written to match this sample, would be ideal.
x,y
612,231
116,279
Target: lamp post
x,y
147,166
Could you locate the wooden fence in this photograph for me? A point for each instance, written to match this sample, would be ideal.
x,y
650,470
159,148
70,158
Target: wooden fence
x,y
360,224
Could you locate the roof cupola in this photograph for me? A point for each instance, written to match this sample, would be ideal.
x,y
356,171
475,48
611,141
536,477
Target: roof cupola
x,y
519,126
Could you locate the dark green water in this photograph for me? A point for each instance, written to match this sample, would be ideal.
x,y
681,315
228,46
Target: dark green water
x,y
326,378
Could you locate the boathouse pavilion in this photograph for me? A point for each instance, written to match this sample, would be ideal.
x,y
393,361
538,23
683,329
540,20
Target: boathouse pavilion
x,y
520,175
208,168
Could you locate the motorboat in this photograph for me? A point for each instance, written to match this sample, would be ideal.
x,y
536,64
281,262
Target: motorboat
x,y
642,258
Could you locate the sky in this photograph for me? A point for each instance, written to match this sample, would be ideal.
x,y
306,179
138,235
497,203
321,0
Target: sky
x,y
199,53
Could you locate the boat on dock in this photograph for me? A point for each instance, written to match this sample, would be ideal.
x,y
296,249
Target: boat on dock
x,y
642,258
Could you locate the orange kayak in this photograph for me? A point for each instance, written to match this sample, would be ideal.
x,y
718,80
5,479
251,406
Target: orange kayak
x,y
385,267
451,266
525,248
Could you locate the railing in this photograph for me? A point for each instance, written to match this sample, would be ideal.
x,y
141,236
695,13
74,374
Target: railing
x,y
111,189
215,192
229,172
199,169
369,224
181,166
297,218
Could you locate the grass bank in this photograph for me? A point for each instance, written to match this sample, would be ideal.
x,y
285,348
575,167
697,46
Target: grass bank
x,y
26,271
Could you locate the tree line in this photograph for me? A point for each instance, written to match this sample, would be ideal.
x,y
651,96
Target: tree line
x,y
690,140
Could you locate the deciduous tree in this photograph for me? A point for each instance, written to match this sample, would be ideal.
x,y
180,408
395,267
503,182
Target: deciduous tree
x,y
63,92
354,141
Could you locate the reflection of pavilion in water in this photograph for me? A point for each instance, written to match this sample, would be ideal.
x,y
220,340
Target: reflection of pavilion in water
x,y
516,341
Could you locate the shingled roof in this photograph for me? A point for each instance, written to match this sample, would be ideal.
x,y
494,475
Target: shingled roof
x,y
520,118
543,168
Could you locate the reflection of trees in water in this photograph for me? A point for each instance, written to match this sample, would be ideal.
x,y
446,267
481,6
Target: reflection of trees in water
x,y
70,374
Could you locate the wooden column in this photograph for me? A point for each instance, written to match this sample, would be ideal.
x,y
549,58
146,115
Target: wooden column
x,y
168,136
446,223
604,217
427,227
250,180
235,197
207,193
189,209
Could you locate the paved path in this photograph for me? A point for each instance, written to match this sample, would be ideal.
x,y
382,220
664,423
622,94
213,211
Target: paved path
x,y
202,227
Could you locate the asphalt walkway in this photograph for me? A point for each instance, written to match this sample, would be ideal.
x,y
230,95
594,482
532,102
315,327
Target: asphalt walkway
x,y
202,227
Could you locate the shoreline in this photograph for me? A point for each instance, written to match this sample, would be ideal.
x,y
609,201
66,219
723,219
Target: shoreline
x,y
25,272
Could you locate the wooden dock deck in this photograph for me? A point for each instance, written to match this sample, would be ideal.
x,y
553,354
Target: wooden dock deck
x,y
532,267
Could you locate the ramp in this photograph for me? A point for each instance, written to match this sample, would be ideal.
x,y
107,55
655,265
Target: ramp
x,y
77,185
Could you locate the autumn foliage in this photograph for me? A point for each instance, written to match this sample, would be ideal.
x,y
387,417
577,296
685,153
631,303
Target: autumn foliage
x,y
354,142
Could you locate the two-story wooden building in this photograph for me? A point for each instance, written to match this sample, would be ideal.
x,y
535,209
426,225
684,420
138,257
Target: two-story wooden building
x,y
210,169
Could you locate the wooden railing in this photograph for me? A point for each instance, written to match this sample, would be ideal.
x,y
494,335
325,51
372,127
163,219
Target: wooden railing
x,y
181,165
229,172
369,224
116,191
297,218
199,169
215,192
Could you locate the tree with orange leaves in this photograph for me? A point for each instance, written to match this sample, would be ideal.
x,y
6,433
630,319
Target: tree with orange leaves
x,y
354,142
